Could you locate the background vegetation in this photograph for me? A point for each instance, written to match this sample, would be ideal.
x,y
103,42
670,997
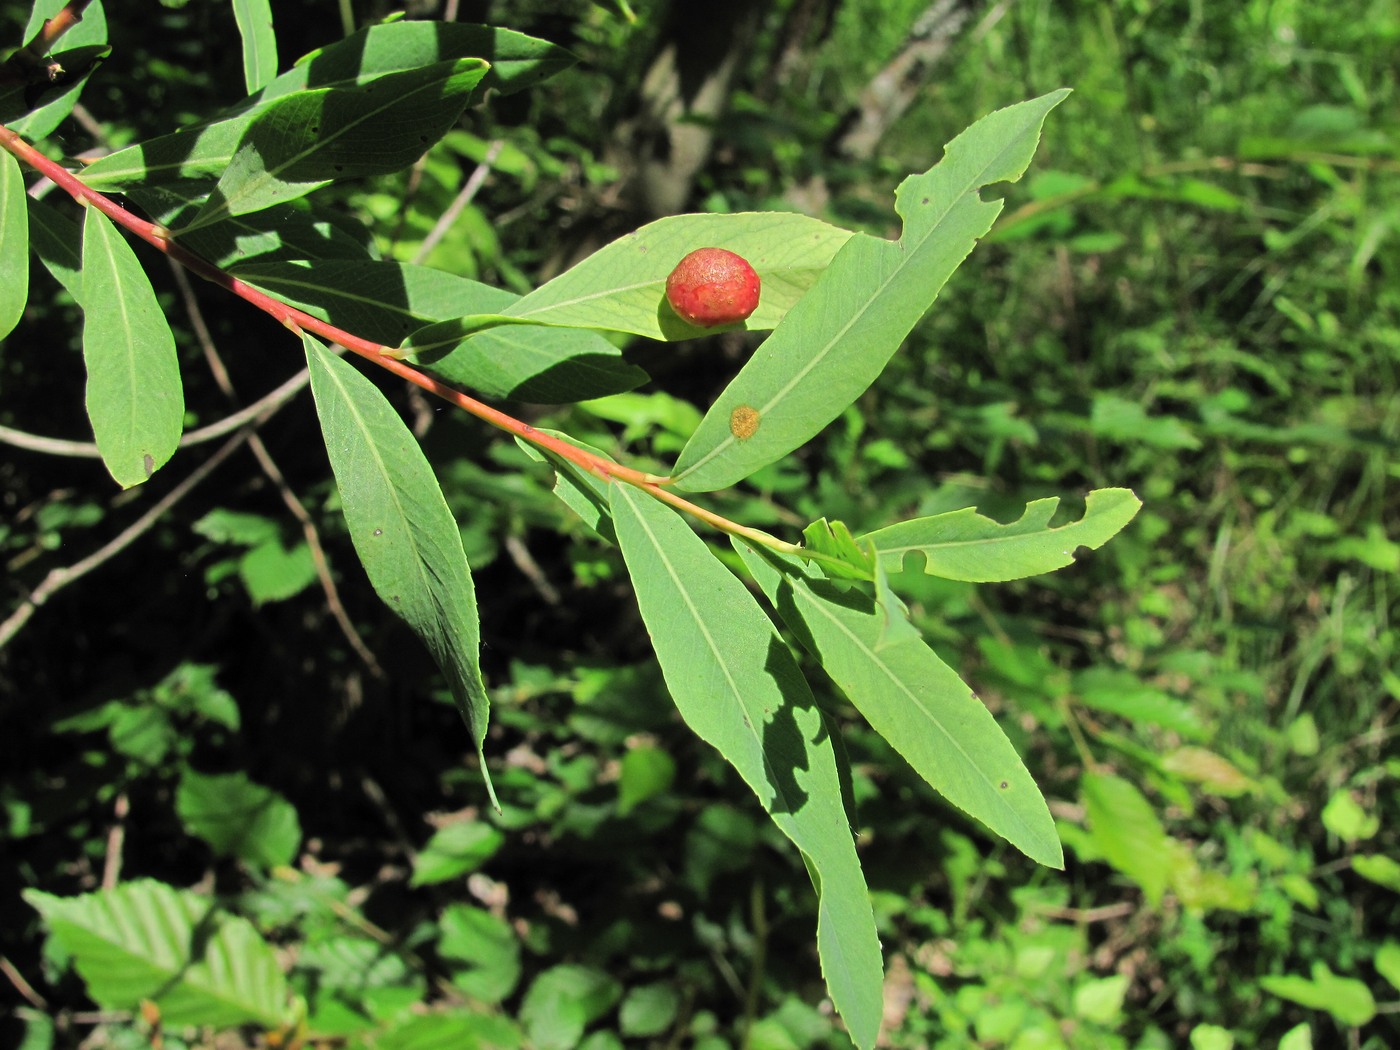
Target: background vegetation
x,y
1196,294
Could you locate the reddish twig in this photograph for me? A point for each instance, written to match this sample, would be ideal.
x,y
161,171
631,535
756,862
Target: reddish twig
x,y
299,321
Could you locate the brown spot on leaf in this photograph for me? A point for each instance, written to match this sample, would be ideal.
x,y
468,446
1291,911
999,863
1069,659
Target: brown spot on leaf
x,y
743,422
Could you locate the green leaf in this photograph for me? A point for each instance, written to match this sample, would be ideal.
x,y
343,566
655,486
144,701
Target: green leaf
x,y
254,19
648,1009
134,397
295,230
386,301
963,545
487,948
838,338
644,773
1387,962
1128,833
832,538
239,818
1378,868
14,244
274,573
455,850
585,494
314,137
58,241
85,44
205,150
1345,998
738,687
146,940
622,287
561,1003
913,699
402,529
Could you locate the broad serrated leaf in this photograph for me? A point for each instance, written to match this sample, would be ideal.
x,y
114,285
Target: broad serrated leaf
x,y
205,150
239,818
839,336
738,687
405,535
84,45
385,301
913,699
312,138
58,242
145,940
14,244
622,287
254,18
134,398
963,545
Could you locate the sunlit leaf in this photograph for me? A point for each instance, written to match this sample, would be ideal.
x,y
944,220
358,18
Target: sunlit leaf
x,y
254,19
14,244
313,137
205,150
134,398
146,940
836,340
84,45
964,545
912,699
404,533
386,301
738,687
622,287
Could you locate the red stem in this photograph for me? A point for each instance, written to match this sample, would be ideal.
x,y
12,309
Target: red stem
x,y
297,320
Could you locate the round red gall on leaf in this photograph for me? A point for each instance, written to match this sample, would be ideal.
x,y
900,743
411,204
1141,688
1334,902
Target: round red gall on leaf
x,y
712,287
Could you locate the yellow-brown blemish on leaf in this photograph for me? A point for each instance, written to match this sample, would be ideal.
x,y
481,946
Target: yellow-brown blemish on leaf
x,y
743,422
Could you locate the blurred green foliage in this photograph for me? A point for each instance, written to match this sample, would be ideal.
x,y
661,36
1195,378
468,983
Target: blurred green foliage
x,y
1197,295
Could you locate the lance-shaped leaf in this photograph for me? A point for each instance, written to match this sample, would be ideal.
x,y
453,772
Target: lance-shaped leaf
x,y
84,46
839,336
913,699
314,137
402,529
297,230
963,545
14,244
385,301
585,494
254,18
204,150
58,242
146,940
622,287
738,687
134,398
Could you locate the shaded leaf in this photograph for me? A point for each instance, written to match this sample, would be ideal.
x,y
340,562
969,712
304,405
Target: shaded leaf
x,y
964,545
146,940
313,137
738,687
14,244
254,19
562,1001
386,301
836,339
84,45
239,818
134,397
402,529
913,699
295,230
585,494
58,241
205,150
